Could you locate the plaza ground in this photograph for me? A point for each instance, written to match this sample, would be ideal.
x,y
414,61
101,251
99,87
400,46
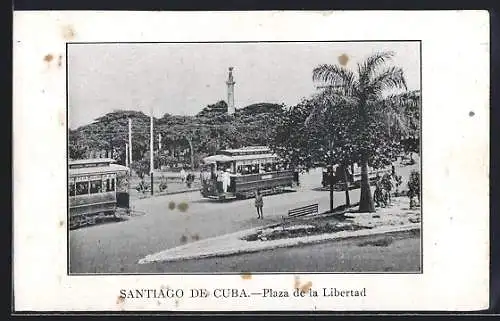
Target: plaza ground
x,y
116,247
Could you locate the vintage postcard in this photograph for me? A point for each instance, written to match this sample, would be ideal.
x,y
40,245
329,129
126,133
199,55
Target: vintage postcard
x,y
251,161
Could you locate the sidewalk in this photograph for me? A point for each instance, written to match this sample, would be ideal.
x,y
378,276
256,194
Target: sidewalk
x,y
232,244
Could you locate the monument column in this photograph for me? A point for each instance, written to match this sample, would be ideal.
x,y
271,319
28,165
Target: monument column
x,y
230,92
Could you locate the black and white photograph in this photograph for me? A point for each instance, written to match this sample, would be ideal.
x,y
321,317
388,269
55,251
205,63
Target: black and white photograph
x,y
244,157
261,162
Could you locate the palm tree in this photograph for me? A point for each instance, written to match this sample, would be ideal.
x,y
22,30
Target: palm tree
x,y
362,93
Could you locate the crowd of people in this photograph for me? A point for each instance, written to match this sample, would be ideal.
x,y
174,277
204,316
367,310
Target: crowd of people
x,y
187,178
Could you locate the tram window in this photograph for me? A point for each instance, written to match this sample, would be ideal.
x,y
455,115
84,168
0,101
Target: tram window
x,y
105,185
108,185
71,189
82,188
95,187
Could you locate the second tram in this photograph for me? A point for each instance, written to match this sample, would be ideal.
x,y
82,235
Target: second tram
x,y
238,173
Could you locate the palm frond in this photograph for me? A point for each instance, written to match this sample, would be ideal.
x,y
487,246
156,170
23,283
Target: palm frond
x,y
324,101
390,78
336,77
401,110
398,121
369,66
408,101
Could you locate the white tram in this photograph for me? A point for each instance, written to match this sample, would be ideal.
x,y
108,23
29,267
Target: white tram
x,y
238,173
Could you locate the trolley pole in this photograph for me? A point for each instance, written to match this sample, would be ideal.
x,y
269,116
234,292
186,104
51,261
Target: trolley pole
x,y
151,164
130,141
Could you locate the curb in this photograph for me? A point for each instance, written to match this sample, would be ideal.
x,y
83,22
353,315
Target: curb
x,y
179,192
218,246
169,193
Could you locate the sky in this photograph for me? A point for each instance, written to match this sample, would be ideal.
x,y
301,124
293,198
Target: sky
x,y
183,78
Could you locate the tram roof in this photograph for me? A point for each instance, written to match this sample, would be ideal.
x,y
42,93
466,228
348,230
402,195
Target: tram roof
x,y
217,158
247,149
226,158
112,168
91,161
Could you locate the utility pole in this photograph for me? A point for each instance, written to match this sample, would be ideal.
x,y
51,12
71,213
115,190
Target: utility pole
x,y
126,155
130,141
151,164
159,149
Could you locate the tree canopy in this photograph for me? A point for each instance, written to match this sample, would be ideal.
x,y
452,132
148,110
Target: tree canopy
x,y
203,134
354,118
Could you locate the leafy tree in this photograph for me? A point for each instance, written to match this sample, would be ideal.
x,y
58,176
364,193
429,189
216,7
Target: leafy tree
x,y
218,109
206,133
76,147
293,141
110,133
374,119
320,141
141,167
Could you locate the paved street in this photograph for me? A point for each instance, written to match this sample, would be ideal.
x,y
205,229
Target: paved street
x,y
402,255
116,247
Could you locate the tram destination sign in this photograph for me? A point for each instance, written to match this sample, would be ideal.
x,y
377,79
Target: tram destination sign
x,y
94,177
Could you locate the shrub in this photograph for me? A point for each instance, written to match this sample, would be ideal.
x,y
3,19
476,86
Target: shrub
x,y
142,187
162,186
414,186
140,167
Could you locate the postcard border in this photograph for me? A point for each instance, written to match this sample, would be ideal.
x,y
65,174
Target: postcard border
x,y
68,273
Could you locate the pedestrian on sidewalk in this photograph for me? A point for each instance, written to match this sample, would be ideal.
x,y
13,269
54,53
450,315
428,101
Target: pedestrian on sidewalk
x,y
259,204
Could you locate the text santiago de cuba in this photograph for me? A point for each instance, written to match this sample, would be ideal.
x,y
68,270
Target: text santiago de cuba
x,y
238,293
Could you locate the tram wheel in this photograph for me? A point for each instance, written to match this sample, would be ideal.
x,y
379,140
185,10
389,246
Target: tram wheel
x,y
101,216
79,221
91,220
73,223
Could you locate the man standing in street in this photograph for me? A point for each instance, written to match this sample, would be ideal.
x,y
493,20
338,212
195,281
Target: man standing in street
x,y
259,204
183,175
